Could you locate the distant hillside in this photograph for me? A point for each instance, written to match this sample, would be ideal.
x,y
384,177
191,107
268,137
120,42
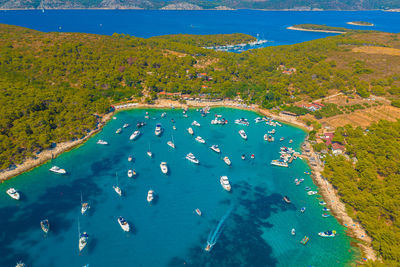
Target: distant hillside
x,y
202,4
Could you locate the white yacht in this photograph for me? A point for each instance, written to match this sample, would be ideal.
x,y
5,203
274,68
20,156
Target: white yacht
x,y
84,205
118,131
83,239
150,196
279,163
20,264
164,167
195,123
163,114
243,134
327,233
102,142
225,183
171,144
150,154
310,193
200,140
13,193
265,137
242,121
125,125
130,173
215,148
58,170
192,158
124,224
158,131
227,161
293,231
134,135
190,131
130,158
258,120
174,127
117,190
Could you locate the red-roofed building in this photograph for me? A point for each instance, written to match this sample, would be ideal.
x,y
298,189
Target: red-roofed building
x,y
328,138
337,149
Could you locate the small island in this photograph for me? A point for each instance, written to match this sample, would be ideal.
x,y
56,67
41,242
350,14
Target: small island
x,y
360,23
318,28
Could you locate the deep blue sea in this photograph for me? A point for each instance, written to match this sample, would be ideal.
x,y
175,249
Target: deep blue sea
x,y
257,228
269,25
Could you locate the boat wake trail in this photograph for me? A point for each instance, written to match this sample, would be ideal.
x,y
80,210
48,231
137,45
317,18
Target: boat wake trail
x,y
214,235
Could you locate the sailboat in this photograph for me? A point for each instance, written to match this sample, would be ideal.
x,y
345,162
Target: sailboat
x,y
84,205
116,187
171,143
83,238
149,153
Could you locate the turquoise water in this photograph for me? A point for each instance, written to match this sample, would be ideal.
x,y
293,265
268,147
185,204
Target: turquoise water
x,y
168,232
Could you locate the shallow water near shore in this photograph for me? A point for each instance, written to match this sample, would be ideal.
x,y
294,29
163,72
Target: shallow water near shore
x,y
168,232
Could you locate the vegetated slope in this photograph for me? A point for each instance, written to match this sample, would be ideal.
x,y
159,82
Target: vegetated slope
x,y
189,4
55,84
369,181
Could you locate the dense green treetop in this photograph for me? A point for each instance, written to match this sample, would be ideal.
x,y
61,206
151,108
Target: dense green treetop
x,y
368,181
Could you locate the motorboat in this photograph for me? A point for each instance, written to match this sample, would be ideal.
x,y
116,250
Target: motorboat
x,y
208,247
303,209
20,264
279,163
171,144
299,181
322,202
243,157
150,196
258,120
134,135
140,124
13,193
308,173
200,140
293,231
190,131
325,209
158,131
252,156
192,158
163,114
286,199
84,207
242,121
310,193
281,139
44,224
83,239
227,161
272,131
225,183
325,215
215,148
290,141
217,121
58,170
131,173
149,153
124,224
198,211
126,125
164,167
265,137
102,142
173,127
243,134
195,123
130,158
327,233
118,131
117,190
307,188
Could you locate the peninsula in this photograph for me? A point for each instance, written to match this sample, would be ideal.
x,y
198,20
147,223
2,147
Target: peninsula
x,y
360,23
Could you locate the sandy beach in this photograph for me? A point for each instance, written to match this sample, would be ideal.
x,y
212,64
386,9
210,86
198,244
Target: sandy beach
x,y
310,30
